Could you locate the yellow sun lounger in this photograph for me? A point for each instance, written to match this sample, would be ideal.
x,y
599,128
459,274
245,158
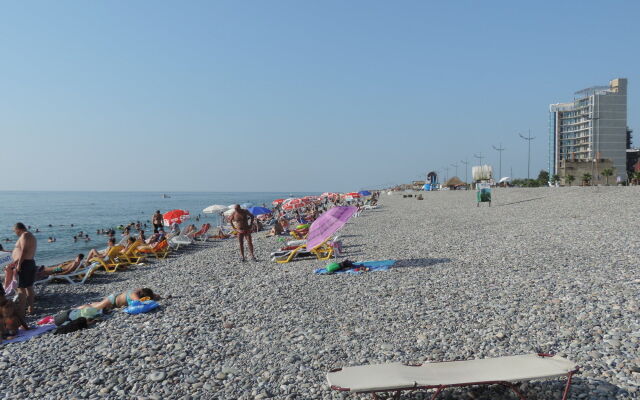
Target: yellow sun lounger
x,y
110,263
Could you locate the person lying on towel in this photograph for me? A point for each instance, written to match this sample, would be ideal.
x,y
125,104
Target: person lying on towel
x,y
123,299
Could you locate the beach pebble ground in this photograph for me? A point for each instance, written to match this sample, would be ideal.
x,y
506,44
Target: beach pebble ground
x,y
547,269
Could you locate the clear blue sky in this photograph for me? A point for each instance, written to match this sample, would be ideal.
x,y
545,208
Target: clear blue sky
x,y
291,95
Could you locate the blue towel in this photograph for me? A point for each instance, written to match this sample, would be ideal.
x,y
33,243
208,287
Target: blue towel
x,y
26,335
383,265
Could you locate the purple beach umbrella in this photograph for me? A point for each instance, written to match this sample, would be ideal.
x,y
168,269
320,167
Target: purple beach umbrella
x,y
327,224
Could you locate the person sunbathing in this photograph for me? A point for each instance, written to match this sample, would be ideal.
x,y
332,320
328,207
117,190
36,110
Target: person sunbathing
x,y
276,230
11,320
190,231
101,254
152,239
64,268
123,299
220,234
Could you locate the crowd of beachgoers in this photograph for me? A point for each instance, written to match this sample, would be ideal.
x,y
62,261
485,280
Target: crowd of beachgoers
x,y
543,270
128,245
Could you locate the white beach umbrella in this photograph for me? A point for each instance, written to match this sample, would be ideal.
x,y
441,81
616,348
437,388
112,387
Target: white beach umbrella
x,y
228,212
505,179
214,209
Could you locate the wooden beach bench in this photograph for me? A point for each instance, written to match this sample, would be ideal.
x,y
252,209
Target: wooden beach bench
x,y
397,377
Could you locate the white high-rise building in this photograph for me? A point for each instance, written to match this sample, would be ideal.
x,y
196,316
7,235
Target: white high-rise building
x,y
590,129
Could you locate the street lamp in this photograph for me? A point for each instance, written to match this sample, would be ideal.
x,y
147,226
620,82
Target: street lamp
x,y
466,170
456,167
528,139
499,149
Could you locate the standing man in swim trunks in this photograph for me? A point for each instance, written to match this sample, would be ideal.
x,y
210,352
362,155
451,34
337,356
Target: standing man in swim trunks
x,y
25,266
156,220
242,221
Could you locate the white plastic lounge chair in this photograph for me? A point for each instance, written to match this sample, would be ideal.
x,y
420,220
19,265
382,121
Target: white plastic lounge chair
x,y
83,273
180,240
396,377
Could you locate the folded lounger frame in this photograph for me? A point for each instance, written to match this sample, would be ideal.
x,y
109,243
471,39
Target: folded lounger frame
x,y
385,378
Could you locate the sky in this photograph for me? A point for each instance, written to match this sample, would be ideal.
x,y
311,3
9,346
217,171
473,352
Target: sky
x,y
292,95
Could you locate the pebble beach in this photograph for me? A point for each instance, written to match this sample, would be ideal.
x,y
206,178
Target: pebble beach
x,y
547,269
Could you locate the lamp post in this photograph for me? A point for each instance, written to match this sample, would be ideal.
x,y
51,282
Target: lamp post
x,y
479,156
499,149
466,170
528,139
456,167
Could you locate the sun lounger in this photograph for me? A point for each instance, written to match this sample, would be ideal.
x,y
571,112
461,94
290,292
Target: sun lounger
x,y
159,250
131,255
396,377
323,252
181,240
110,263
82,274
202,234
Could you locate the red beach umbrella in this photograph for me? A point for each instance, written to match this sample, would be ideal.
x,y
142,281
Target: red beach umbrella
x,y
277,201
294,204
354,195
175,217
330,195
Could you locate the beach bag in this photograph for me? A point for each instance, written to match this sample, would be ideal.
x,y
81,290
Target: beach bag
x,y
332,267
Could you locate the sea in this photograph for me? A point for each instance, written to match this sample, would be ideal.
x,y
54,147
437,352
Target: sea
x,y
52,214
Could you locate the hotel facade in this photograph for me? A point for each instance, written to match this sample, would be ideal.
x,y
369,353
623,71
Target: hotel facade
x,y
589,134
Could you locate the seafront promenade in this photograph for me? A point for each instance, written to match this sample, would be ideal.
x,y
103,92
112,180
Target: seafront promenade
x,y
547,269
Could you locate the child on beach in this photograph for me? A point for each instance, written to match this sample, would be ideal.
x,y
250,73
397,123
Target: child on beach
x,y
11,320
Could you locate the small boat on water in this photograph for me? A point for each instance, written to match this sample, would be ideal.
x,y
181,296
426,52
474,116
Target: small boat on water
x,y
166,196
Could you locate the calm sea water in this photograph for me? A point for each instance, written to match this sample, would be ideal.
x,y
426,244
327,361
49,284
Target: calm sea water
x,y
89,211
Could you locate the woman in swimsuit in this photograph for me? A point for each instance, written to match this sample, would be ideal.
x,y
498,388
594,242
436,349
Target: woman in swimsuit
x,y
123,299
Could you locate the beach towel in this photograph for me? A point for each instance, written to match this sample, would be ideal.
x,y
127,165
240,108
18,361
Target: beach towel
x,y
360,267
26,335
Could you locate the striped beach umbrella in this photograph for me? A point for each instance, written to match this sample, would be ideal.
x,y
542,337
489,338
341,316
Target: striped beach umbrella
x,y
294,204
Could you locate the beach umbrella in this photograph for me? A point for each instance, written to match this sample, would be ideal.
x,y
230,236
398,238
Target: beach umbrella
x,y
278,201
294,204
330,195
175,217
327,224
246,205
353,195
505,179
214,209
258,210
228,212
364,193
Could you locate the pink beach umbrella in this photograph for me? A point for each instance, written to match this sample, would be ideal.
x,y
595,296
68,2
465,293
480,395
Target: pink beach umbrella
x,y
327,224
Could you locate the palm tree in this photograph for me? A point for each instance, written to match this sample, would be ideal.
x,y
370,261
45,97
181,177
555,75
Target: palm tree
x,y
570,178
607,172
586,179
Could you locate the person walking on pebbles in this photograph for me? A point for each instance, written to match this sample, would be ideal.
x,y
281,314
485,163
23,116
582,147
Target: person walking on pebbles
x,y
242,221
